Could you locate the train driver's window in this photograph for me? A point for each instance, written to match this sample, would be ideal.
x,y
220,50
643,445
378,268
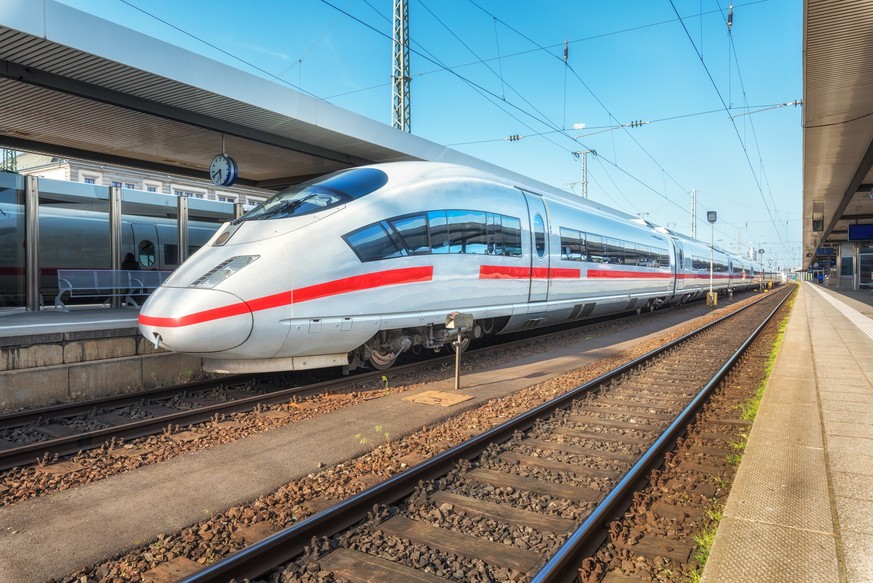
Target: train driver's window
x,y
146,253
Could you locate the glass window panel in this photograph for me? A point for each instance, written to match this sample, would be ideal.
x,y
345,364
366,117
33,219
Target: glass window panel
x,y
12,259
595,249
511,227
439,231
613,250
413,233
495,234
635,254
467,231
373,243
571,245
539,235
73,230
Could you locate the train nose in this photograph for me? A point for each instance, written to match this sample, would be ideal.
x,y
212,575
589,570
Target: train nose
x,y
195,320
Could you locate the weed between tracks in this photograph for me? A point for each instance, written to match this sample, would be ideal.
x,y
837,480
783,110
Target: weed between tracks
x,y
748,410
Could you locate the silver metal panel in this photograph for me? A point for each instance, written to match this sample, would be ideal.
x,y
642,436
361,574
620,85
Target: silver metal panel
x,y
31,237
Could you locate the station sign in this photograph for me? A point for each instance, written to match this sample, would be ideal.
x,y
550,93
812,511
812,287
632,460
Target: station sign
x,y
860,232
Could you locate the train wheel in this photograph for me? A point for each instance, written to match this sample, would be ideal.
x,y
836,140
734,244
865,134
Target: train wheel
x,y
382,360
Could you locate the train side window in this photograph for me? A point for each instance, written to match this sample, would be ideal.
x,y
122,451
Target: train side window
x,y
571,245
146,253
468,232
595,249
171,254
637,255
413,232
511,228
439,232
540,235
372,243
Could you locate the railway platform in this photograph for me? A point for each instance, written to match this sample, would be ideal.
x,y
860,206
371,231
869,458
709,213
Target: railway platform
x,y
801,507
87,352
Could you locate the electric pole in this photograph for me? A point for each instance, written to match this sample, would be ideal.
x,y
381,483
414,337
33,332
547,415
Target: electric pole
x,y
9,161
583,154
401,113
693,213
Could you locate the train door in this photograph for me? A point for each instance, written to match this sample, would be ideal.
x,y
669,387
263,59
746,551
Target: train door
x,y
679,261
539,244
145,244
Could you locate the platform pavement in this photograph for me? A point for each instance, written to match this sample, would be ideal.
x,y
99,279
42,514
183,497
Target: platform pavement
x,y
19,326
801,507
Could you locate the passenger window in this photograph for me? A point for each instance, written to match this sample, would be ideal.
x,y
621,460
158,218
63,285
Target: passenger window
x,y
373,243
511,236
467,231
540,235
439,232
171,255
571,245
413,233
146,253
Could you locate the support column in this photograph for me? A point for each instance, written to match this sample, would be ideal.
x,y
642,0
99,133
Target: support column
x,y
182,205
115,235
31,239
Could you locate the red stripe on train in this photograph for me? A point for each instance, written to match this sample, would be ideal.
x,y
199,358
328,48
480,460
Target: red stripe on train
x,y
621,274
313,292
509,272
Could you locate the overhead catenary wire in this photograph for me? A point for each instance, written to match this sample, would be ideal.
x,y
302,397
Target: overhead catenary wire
x,y
726,108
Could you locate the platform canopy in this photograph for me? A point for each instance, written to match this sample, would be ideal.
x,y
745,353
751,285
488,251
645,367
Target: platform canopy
x,y
77,86
837,121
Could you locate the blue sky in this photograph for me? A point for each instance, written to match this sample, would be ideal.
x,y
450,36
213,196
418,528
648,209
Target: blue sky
x,y
484,70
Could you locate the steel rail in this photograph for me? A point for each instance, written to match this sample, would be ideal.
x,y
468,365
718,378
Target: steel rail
x,y
19,418
564,564
62,446
286,544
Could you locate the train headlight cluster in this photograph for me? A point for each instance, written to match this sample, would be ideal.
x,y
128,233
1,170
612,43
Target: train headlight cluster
x,y
222,271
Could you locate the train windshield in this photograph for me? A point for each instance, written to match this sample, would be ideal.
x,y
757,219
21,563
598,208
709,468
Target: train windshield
x,y
319,194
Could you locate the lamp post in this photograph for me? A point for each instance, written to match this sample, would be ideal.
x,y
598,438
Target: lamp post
x,y
711,216
761,264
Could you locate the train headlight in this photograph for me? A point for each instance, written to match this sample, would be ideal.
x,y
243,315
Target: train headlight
x,y
223,270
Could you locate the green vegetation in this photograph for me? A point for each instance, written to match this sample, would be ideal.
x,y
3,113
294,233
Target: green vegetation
x,y
704,542
748,411
383,437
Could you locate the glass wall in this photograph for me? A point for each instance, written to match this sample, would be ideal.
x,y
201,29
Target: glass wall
x,y
74,232
865,267
12,254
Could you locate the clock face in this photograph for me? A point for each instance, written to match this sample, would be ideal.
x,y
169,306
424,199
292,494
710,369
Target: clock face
x,y
223,170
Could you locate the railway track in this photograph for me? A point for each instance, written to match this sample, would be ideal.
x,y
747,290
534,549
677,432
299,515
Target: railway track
x,y
60,430
525,500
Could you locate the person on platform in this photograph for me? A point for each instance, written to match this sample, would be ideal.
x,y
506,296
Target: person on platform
x,y
130,263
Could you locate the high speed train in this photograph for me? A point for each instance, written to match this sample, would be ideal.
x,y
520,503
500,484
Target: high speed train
x,y
358,266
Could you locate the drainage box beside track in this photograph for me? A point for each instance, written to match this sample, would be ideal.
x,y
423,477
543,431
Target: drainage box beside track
x,y
41,369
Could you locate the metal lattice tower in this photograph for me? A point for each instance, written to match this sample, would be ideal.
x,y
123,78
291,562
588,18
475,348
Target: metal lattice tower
x,y
401,113
583,155
9,161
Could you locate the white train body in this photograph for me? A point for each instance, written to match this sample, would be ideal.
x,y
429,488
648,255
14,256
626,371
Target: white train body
x,y
367,263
